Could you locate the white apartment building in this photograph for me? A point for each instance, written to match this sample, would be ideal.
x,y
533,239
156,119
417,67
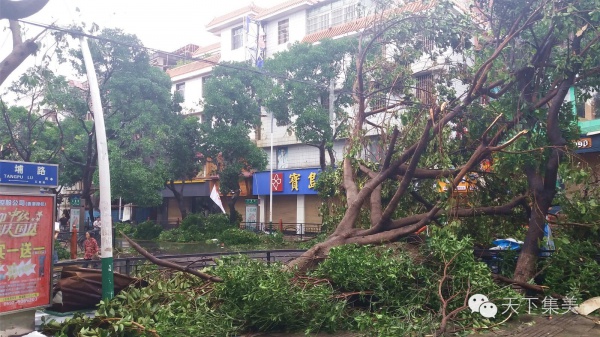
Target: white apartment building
x,y
255,34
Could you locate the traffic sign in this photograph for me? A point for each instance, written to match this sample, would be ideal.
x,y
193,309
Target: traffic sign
x,y
29,174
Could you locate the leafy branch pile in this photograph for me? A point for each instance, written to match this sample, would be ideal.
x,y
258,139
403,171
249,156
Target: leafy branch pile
x,y
381,291
198,228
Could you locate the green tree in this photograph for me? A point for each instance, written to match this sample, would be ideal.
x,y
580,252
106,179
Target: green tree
x,y
231,108
502,98
30,134
138,110
19,127
183,160
302,101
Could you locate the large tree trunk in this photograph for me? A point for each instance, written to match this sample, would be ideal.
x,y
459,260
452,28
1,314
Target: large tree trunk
x,y
331,156
178,195
322,152
542,200
231,204
21,50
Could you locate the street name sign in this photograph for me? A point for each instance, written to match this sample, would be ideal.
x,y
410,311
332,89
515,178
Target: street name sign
x,y
28,174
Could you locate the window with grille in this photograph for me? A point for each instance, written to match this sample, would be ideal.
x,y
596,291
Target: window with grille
x,y
378,98
424,92
283,31
180,88
237,38
317,23
331,14
428,44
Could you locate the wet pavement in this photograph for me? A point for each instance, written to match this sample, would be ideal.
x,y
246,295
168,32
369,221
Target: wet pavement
x,y
568,325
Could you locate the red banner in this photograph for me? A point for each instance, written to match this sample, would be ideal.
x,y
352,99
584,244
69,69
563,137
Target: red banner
x,y
26,224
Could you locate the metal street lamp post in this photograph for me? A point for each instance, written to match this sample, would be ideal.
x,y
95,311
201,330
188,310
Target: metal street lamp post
x,y
271,182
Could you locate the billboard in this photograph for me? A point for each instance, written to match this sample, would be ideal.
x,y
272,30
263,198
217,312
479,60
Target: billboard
x,y
26,223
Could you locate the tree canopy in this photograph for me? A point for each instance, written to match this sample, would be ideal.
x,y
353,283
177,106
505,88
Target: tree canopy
x,y
301,99
138,111
231,109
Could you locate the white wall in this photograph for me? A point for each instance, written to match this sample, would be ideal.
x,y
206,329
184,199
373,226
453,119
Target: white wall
x,y
226,53
193,90
297,31
304,156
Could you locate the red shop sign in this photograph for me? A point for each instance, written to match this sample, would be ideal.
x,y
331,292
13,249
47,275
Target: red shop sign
x,y
26,224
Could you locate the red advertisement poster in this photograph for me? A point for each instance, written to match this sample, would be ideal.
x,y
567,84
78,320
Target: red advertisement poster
x,y
25,251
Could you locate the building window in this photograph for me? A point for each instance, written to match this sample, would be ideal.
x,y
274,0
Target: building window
x,y
180,88
428,44
379,100
424,92
283,31
378,96
331,14
237,38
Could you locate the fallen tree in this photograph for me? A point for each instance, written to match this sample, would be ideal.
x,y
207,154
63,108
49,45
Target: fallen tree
x,y
492,88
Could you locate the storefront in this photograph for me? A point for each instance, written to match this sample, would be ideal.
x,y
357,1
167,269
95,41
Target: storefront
x,y
295,200
191,191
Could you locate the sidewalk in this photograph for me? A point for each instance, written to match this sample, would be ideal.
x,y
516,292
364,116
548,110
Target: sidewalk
x,y
568,325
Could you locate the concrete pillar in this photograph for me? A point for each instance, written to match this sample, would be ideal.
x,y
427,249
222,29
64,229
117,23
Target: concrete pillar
x,y
262,202
300,220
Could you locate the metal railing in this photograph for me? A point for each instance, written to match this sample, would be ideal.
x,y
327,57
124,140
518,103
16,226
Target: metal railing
x,y
300,230
131,265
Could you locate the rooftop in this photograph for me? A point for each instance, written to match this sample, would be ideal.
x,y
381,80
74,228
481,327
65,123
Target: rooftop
x,y
195,65
215,23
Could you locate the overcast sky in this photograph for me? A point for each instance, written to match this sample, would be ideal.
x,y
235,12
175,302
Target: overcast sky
x,y
165,25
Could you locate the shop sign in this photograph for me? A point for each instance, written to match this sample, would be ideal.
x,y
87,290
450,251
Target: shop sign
x,y
296,181
26,224
584,143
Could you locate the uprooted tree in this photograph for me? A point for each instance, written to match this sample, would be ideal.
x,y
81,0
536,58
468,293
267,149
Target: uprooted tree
x,y
486,84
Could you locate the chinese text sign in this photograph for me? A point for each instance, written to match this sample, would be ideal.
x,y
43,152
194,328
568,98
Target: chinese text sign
x,y
25,251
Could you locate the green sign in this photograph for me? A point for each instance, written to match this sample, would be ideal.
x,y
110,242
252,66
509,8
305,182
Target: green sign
x,y
75,200
251,201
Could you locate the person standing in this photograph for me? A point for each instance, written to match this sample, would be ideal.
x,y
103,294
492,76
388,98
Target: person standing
x,y
97,224
64,221
91,250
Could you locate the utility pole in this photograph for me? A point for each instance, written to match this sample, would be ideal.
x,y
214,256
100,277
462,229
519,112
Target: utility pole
x,y
108,289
